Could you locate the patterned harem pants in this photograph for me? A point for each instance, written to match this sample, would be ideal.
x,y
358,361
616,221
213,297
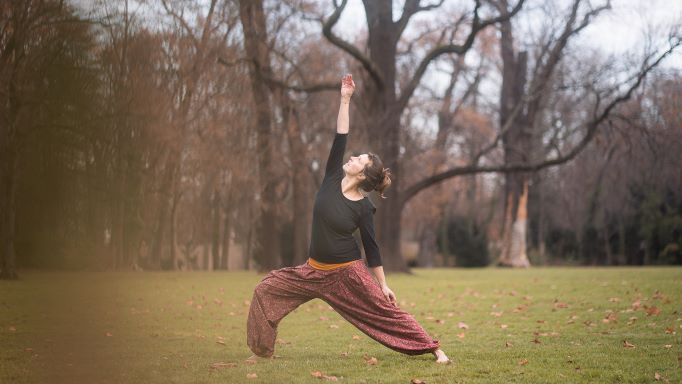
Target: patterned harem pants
x,y
350,290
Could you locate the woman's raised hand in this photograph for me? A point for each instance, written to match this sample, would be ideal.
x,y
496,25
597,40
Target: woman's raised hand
x,y
347,87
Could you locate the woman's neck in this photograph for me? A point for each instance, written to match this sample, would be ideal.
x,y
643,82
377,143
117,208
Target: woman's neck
x,y
349,187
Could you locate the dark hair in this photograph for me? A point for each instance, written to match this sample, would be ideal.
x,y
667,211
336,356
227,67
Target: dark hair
x,y
377,178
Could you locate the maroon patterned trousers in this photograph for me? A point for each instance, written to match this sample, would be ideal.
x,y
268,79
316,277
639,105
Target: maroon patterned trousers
x,y
350,290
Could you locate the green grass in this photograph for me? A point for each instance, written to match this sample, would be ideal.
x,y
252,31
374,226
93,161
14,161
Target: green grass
x,y
164,328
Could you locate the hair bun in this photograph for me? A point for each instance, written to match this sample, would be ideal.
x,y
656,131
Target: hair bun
x,y
384,182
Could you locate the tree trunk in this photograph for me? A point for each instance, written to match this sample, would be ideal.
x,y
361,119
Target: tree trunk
x,y
173,230
516,144
300,187
384,111
216,211
428,244
227,230
267,252
8,226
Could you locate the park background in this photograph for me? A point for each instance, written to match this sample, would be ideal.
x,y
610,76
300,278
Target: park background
x,y
143,139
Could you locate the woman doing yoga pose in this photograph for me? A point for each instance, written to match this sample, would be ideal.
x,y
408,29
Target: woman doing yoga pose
x,y
334,271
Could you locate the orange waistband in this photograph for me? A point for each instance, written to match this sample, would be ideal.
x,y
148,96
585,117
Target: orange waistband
x,y
326,267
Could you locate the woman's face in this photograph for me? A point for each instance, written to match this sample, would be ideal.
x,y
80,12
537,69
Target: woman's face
x,y
356,164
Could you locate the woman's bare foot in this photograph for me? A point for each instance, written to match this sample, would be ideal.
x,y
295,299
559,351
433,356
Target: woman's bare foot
x,y
441,357
256,358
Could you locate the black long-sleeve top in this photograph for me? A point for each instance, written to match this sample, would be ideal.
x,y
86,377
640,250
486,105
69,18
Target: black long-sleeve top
x,y
335,217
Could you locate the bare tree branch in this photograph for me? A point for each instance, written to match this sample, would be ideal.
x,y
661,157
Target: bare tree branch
x,y
272,81
477,26
327,26
410,8
592,128
181,20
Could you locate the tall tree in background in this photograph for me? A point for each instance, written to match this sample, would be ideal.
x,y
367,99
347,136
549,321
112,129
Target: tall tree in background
x,y
267,252
44,103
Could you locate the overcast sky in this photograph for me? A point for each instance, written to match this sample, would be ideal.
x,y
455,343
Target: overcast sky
x,y
616,31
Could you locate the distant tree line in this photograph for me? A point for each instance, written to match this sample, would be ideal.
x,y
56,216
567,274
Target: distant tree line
x,y
174,134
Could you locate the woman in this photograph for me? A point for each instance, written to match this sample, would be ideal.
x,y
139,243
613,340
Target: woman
x,y
334,271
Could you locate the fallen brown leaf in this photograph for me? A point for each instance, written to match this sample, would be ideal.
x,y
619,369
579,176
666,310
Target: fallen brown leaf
x,y
370,360
523,362
221,364
220,342
109,334
356,337
657,376
251,376
417,381
668,346
461,335
462,325
611,317
653,311
508,344
627,344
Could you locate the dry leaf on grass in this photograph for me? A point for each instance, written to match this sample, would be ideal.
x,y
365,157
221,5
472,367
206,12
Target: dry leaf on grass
x,y
221,364
461,335
462,325
523,362
109,334
356,337
508,344
627,344
251,376
370,360
417,381
220,342
322,376
652,311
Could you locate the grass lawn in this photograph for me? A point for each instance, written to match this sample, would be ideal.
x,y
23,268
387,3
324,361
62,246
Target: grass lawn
x,y
563,325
